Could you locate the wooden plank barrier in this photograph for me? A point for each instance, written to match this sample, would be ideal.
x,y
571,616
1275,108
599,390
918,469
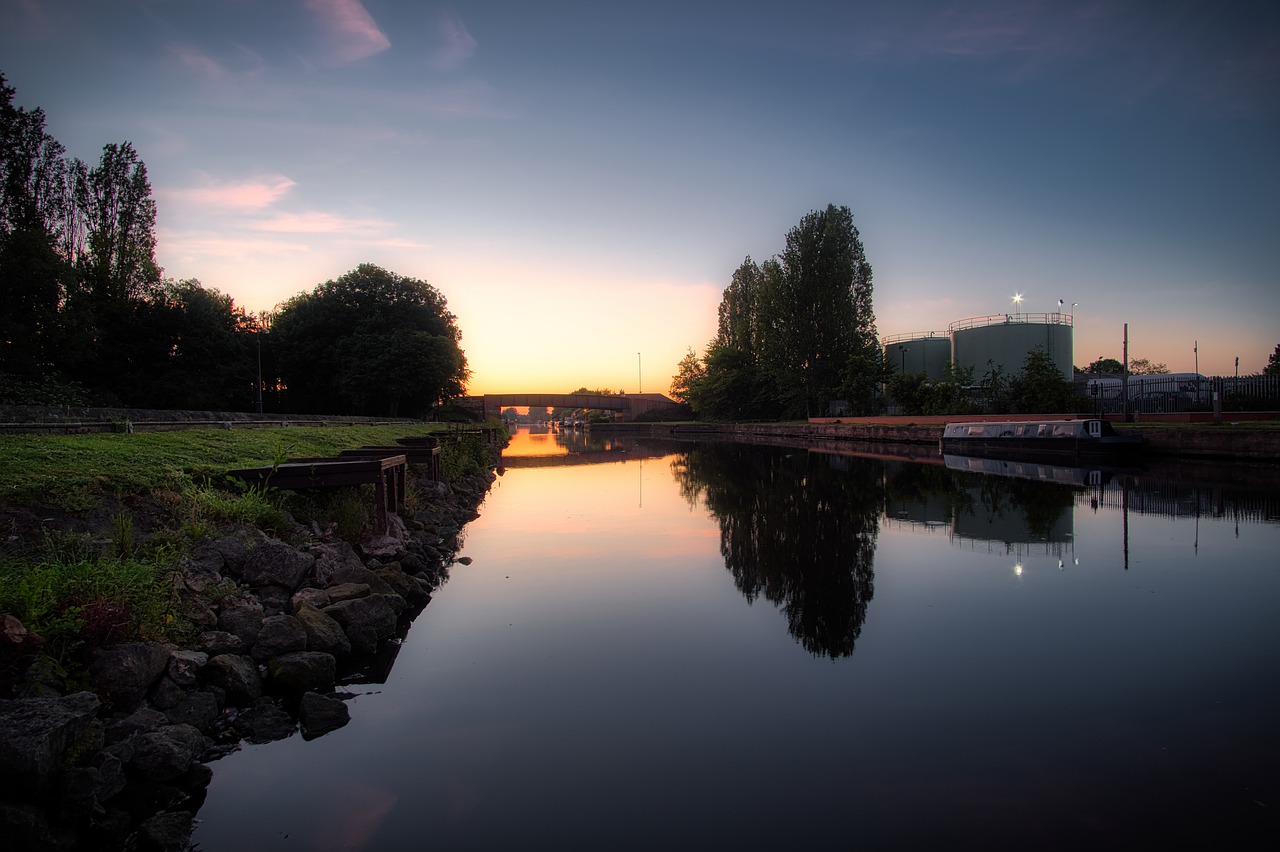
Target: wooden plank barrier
x,y
386,473
428,456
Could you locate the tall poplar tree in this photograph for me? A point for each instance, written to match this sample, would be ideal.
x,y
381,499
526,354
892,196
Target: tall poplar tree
x,y
823,313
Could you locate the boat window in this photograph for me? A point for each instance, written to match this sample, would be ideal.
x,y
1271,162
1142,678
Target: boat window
x,y
1095,429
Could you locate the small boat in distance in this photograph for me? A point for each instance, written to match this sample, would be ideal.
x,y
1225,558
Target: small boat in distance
x,y
1032,438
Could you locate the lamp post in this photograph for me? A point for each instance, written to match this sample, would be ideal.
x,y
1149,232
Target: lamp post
x,y
639,382
902,350
1017,303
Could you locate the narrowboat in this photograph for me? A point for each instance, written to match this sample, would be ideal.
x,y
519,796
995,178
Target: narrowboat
x,y
1049,438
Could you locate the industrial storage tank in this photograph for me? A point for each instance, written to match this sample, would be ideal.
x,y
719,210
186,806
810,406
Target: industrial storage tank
x,y
926,352
1005,340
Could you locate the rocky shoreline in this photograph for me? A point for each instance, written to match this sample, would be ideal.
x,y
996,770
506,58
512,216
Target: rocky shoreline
x,y
123,761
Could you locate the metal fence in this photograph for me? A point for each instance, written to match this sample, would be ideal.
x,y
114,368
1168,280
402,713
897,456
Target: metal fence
x,y
1170,395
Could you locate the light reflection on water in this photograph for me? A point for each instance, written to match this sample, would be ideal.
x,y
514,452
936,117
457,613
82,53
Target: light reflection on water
x,y
768,648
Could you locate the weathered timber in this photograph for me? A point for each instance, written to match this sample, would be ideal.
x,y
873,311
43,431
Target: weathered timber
x,y
428,456
385,473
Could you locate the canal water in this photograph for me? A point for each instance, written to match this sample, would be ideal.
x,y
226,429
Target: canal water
x,y
714,645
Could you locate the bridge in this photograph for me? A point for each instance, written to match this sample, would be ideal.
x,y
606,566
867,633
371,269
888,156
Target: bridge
x,y
628,405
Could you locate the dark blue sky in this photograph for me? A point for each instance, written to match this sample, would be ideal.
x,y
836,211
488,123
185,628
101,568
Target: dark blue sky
x,y
583,177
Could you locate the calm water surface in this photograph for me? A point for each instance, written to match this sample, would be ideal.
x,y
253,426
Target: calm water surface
x,y
716,645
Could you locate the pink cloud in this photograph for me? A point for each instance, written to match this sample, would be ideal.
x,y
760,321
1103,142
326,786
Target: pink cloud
x,y
458,43
253,194
351,24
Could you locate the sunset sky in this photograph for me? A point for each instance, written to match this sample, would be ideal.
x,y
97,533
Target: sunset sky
x,y
580,179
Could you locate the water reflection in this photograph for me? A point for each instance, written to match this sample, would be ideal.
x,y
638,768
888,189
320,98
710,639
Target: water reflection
x,y
796,529
540,446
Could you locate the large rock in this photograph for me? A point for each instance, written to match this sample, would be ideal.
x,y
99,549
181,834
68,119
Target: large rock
x,y
323,632
300,671
382,547
199,574
320,714
280,634
185,665
166,832
336,563
141,721
35,734
122,674
366,620
198,709
237,676
215,642
274,563
241,616
166,753
405,586
265,722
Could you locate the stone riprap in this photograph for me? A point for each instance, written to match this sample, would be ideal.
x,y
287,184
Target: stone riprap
x,y
124,763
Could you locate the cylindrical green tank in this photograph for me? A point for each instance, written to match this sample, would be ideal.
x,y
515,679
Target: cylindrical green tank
x,y
920,352
1005,340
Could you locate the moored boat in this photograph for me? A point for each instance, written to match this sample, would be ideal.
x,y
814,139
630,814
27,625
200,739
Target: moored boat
x,y
1050,438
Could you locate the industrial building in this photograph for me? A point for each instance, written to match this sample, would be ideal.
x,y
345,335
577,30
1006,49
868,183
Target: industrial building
x,y
1001,340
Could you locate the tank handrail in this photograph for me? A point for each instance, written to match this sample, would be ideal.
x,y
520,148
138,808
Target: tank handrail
x,y
913,335
1056,318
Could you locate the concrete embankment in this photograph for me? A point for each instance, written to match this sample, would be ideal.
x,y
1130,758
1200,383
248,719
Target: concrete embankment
x,y
1241,442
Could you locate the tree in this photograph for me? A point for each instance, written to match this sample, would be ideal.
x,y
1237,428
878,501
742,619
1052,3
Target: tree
x,y
370,340
120,220
821,313
733,387
1146,367
1040,388
796,331
34,276
1105,366
1273,363
688,373
738,322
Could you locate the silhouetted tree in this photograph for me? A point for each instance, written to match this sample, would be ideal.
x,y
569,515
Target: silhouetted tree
x,y
369,341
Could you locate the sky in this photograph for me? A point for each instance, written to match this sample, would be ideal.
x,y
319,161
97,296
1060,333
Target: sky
x,y
581,179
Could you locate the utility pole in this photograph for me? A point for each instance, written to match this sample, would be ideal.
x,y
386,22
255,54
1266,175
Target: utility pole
x,y
639,376
259,338
1124,382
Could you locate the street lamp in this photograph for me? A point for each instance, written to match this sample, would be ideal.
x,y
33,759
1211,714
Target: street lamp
x,y
903,351
1017,303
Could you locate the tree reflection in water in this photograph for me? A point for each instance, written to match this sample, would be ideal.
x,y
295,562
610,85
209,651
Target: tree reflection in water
x,y
798,529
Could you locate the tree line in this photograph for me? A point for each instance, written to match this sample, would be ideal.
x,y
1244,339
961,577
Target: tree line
x,y
796,338
88,318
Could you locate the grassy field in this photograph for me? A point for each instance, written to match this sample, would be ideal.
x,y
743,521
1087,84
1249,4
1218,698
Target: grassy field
x,y
129,506
72,471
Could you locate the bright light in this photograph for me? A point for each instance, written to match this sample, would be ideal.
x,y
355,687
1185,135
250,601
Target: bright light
x,y
1017,302
1017,569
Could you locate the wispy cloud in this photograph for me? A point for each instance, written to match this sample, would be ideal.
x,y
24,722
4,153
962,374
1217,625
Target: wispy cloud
x,y
194,60
318,222
458,43
252,194
357,34
191,244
